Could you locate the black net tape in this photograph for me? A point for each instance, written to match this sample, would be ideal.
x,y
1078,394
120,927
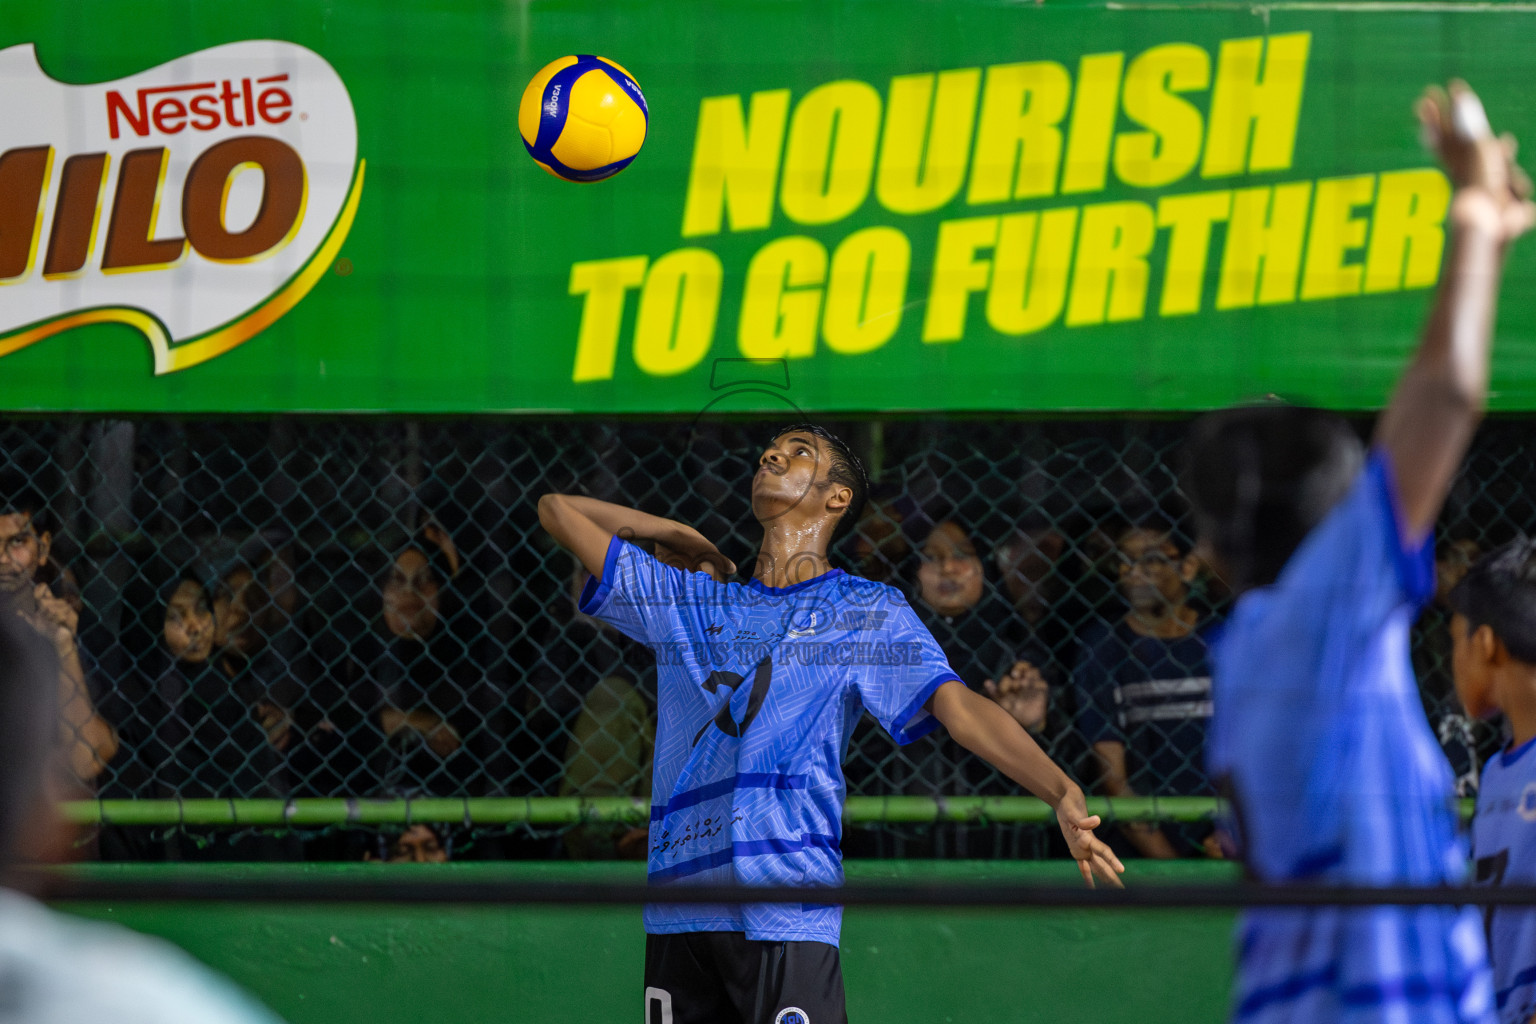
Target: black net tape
x,y
293,607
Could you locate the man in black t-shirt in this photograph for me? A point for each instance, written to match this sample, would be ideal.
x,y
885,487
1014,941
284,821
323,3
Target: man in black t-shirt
x,y
1143,687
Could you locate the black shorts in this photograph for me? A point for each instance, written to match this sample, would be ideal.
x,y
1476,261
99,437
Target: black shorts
x,y
726,978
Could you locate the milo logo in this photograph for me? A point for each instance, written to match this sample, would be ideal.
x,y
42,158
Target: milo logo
x,y
197,202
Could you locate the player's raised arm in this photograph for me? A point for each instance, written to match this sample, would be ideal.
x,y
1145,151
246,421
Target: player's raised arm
x,y
586,526
985,729
1440,398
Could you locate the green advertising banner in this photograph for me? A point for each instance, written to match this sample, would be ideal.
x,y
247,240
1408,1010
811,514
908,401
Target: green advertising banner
x,y
961,205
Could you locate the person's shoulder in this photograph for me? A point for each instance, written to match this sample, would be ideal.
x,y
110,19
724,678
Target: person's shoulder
x,y
82,970
855,584
874,596
1102,634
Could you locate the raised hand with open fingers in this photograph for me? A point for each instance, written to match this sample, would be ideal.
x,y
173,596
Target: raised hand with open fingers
x,y
1493,193
1095,860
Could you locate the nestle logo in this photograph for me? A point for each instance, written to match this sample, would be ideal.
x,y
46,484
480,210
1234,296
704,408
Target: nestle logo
x,y
200,106
552,108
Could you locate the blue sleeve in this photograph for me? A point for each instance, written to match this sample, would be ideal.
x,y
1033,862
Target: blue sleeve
x,y
1363,549
637,595
895,686
1093,685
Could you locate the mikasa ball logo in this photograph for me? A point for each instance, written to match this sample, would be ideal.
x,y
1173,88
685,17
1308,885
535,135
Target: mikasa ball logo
x,y
196,202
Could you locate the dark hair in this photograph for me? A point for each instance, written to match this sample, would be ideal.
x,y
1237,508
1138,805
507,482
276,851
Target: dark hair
x,y
1261,477
17,498
843,467
384,842
28,726
437,558
1154,522
1499,591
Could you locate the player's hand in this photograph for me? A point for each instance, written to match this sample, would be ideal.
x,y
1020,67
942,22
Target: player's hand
x,y
1022,693
1094,858
699,554
1493,194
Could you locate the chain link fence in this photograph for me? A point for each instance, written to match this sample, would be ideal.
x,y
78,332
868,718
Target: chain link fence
x,y
299,608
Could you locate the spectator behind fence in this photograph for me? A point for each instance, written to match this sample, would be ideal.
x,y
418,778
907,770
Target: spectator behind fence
x,y
26,538
257,642
958,604
998,646
985,640
208,735
442,719
417,844
1467,742
987,645
1144,687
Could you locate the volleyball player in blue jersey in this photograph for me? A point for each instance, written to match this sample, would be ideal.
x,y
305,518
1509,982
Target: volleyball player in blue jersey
x,y
1493,636
759,686
1318,733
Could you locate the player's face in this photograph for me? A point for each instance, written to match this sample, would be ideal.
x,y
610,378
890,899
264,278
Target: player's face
x,y
411,596
1152,574
22,551
950,576
189,623
791,478
1470,672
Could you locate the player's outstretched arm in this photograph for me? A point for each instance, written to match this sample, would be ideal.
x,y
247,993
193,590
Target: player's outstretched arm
x,y
988,731
1440,398
586,526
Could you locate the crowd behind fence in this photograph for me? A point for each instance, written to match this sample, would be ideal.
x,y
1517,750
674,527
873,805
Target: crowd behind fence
x,y
293,607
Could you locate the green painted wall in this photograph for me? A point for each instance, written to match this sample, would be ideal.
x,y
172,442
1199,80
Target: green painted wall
x,y
375,964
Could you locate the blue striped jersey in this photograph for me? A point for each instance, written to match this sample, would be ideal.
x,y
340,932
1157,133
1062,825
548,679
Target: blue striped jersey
x,y
1504,845
1319,736
758,690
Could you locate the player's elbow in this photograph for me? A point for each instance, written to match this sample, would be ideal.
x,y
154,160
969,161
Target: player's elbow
x,y
551,512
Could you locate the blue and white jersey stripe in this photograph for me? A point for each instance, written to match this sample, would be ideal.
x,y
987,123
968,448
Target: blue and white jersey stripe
x,y
758,692
1504,848
1319,735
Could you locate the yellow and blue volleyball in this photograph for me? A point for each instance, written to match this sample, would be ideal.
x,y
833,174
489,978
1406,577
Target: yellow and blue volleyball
x,y
583,118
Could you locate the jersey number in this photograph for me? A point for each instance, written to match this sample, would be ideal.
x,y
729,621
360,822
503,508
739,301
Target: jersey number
x,y
762,678
1490,871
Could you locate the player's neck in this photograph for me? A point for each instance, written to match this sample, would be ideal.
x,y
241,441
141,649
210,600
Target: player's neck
x,y
1517,699
792,553
1168,623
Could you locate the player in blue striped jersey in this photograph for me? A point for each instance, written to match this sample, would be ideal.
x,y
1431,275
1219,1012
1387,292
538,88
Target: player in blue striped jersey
x,y
1318,734
759,687
1493,636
